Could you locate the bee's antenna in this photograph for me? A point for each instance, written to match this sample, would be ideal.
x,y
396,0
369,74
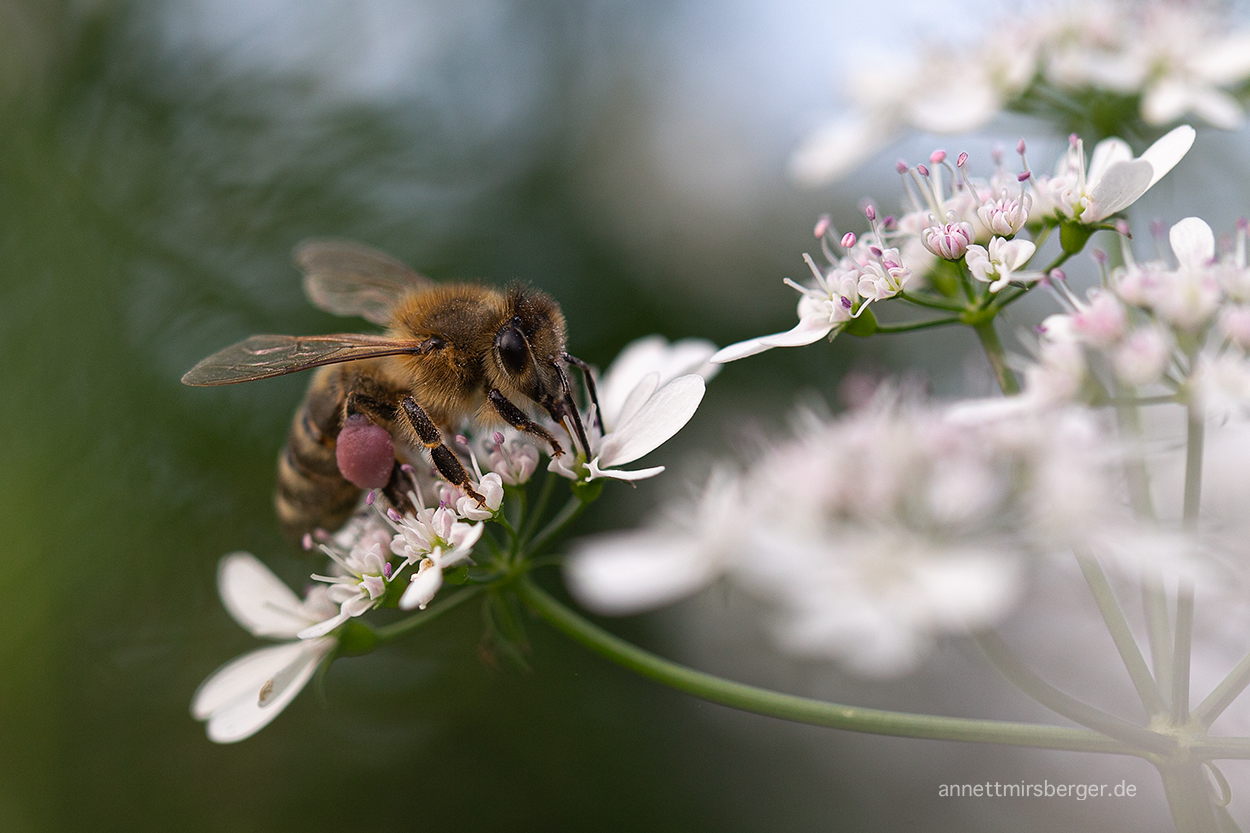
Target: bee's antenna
x,y
590,388
571,405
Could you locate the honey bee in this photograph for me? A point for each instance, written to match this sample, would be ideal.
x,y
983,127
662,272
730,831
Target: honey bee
x,y
451,352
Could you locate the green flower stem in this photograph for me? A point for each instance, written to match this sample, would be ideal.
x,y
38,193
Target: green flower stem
x,y
1154,602
1059,260
1023,678
540,506
1224,694
1181,651
804,710
567,514
997,356
1193,464
1182,643
1118,627
931,303
429,614
917,325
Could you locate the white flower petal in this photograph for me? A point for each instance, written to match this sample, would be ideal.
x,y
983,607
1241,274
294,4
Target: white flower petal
x,y
422,589
621,474
642,391
1168,150
322,628
1193,243
256,598
741,350
807,331
245,717
1107,153
633,572
1119,187
662,416
651,354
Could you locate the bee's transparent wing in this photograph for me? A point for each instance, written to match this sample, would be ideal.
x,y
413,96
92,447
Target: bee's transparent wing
x,y
261,357
348,278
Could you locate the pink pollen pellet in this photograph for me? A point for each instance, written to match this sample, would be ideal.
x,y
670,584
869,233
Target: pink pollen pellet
x,y
874,251
1023,175
871,213
922,170
1058,275
962,160
822,226
1073,139
498,437
848,240
937,157
901,166
1020,146
371,497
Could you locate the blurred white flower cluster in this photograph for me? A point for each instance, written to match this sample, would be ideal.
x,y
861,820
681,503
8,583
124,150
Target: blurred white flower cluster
x,y
873,534
1178,328
1161,60
974,224
648,394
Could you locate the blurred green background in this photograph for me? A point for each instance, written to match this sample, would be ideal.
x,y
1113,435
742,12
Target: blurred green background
x,y
157,164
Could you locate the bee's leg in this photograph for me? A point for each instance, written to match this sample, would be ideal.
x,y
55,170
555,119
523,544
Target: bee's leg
x,y
448,464
590,387
398,488
515,417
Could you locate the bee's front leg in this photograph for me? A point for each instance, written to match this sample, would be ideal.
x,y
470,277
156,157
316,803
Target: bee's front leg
x,y
448,464
515,417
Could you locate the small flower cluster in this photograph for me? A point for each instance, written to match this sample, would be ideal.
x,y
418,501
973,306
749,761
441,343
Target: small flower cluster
x,y
1168,59
872,534
973,224
646,396
1180,328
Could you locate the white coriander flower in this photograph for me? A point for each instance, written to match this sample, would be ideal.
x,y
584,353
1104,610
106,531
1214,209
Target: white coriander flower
x,y
1144,355
243,696
361,576
644,403
629,572
1114,179
999,265
436,539
839,294
1221,385
871,535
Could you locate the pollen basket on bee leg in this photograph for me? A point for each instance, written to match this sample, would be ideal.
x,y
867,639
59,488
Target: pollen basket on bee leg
x,y
365,453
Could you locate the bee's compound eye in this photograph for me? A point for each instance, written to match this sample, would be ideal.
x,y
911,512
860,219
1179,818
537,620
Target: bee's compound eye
x,y
513,351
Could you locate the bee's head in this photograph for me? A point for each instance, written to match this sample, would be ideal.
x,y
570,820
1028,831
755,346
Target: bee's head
x,y
528,354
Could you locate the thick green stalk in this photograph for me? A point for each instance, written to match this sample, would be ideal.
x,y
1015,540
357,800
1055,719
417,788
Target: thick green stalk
x,y
997,356
802,709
